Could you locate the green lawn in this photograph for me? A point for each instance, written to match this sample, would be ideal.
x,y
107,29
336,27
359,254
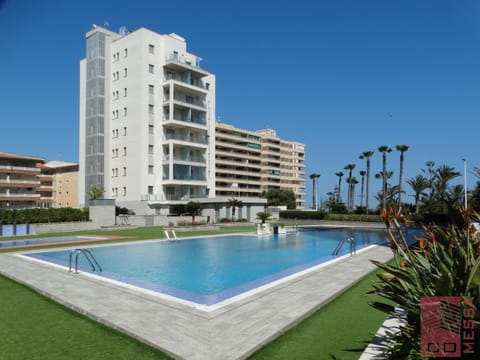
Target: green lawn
x,y
33,327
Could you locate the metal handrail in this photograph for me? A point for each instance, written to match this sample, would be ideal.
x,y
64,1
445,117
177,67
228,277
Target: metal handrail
x,y
353,246
88,255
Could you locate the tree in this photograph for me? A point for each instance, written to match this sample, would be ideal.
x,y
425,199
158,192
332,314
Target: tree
x,y
264,216
234,204
402,149
367,155
384,150
350,168
362,174
418,185
96,193
314,178
194,208
442,177
339,174
276,197
386,196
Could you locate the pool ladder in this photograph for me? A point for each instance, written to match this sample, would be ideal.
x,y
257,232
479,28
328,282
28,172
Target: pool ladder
x,y
88,255
351,241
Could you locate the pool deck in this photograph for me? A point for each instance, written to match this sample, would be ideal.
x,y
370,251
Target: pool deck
x,y
233,331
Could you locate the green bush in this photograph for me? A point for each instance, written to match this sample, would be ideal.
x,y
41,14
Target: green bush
x,y
37,215
302,215
353,217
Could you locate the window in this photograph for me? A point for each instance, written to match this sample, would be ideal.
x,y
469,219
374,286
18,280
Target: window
x,y
150,190
151,89
124,91
124,171
125,72
124,151
150,109
125,52
150,149
124,191
124,111
150,129
151,69
151,48
150,169
124,131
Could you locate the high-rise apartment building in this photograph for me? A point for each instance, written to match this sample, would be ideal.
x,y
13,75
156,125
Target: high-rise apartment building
x,y
147,119
250,162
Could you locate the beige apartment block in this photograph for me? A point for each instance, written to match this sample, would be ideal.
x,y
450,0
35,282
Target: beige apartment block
x,y
63,177
250,162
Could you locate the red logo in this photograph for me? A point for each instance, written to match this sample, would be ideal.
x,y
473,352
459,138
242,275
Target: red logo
x,y
446,326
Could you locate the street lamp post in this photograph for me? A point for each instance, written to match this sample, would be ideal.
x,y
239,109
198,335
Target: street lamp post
x,y
465,182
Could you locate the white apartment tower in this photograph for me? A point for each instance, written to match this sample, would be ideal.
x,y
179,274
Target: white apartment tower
x,y
147,119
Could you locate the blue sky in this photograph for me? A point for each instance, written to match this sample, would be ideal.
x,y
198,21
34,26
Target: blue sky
x,y
326,73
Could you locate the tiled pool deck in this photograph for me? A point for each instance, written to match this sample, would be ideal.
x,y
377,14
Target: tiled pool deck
x,y
233,331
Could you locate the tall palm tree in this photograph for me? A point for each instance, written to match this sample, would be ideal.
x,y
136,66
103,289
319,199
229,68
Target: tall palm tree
x,y
402,149
314,178
418,185
367,155
384,150
339,174
386,196
350,168
362,174
353,181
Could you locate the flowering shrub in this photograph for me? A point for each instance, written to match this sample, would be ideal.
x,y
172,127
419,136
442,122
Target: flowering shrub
x,y
444,262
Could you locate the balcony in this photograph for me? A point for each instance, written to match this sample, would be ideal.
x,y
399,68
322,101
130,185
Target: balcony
x,y
191,83
19,170
12,183
181,63
186,101
196,159
187,138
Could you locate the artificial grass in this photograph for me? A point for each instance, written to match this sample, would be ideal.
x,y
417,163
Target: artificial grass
x,y
339,330
33,327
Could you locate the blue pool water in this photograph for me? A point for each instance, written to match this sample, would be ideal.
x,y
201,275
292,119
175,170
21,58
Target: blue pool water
x,y
209,270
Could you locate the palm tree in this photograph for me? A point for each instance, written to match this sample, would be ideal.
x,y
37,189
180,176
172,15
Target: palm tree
x,y
443,174
353,181
339,174
362,174
384,150
402,149
96,193
386,196
193,208
367,155
350,168
234,203
418,185
314,178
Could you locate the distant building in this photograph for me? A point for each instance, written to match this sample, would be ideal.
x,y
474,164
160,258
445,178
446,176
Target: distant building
x,y
250,162
63,177
31,182
22,184
147,113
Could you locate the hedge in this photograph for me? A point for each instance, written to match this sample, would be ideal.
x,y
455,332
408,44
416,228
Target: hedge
x,y
302,215
38,215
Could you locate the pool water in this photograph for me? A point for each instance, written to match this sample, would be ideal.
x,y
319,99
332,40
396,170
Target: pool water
x,y
211,269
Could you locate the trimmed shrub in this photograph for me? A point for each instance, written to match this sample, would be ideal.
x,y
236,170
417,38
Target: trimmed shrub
x,y
302,215
37,215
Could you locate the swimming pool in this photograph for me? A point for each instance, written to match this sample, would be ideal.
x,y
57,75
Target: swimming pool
x,y
212,269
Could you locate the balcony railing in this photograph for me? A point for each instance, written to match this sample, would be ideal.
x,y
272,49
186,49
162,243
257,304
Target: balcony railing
x,y
197,159
186,101
187,138
190,81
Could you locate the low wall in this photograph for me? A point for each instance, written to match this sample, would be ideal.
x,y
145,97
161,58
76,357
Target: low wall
x,y
46,228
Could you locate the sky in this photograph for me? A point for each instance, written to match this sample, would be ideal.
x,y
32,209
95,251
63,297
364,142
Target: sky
x,y
341,76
